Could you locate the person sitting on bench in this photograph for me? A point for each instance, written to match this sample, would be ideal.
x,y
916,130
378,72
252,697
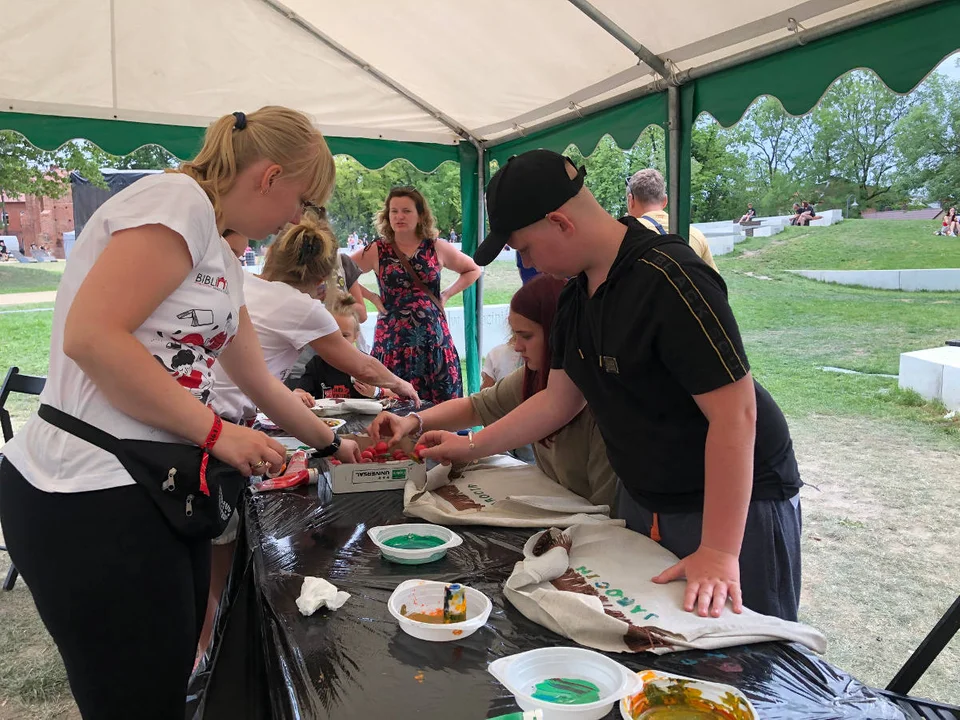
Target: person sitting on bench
x,y
749,215
796,214
807,213
951,226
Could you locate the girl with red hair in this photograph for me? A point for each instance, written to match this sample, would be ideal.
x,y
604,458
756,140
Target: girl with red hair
x,y
574,456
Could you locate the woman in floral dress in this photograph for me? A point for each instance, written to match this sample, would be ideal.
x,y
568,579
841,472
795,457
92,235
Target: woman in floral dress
x,y
412,337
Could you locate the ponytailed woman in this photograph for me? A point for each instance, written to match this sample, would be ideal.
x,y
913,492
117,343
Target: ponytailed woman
x,y
110,494
287,316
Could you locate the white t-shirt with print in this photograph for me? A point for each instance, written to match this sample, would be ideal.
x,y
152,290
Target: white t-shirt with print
x,y
185,334
286,320
501,361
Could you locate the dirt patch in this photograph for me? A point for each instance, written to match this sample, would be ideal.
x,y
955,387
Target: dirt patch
x,y
880,539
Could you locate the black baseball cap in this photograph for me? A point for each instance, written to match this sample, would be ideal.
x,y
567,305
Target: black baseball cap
x,y
522,192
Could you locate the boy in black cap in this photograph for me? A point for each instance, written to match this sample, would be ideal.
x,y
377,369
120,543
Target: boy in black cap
x,y
645,335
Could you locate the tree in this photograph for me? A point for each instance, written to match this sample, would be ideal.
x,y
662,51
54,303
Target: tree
x,y
928,139
718,174
148,157
360,193
773,137
606,176
27,170
857,124
648,152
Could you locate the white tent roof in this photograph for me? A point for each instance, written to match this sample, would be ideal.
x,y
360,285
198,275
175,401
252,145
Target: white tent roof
x,y
397,69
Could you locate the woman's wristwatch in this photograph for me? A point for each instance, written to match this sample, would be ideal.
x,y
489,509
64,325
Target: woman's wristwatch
x,y
330,449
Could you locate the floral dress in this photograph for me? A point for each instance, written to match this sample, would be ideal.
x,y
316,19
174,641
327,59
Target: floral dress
x,y
412,338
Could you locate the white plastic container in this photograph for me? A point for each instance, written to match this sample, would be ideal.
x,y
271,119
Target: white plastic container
x,y
414,557
521,674
426,596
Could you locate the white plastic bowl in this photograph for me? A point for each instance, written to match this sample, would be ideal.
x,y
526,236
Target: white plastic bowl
x,y
722,695
521,673
424,596
382,533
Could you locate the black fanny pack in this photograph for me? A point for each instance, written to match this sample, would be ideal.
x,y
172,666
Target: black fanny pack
x,y
171,473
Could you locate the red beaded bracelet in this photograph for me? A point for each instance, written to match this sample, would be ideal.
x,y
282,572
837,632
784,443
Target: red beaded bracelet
x,y
211,440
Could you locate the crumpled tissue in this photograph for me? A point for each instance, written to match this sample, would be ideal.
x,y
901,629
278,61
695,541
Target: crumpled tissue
x,y
317,592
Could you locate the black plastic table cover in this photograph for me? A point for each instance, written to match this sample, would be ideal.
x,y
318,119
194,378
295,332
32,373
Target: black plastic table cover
x,y
271,662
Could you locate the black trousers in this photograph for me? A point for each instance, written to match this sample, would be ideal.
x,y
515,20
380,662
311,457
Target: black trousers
x,y
769,556
121,594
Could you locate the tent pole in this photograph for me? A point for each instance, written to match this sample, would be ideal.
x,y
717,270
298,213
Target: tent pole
x,y
673,161
645,56
481,186
683,77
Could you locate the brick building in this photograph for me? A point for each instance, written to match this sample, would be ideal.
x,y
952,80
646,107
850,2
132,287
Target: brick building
x,y
40,221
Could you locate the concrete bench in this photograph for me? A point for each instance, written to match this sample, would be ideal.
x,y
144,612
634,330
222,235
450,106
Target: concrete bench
x,y
933,373
722,244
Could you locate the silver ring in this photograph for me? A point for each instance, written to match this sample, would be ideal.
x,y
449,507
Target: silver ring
x,y
259,464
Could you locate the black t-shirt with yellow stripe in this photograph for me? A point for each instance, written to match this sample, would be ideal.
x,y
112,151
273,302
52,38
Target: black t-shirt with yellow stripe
x,y
656,333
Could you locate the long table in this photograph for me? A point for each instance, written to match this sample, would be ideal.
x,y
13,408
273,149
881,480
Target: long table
x,y
271,662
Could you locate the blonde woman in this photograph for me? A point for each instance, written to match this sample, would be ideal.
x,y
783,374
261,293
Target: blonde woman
x,y
151,298
412,337
287,317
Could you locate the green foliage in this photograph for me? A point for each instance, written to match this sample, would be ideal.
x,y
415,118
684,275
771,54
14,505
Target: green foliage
x,y
717,182
360,193
859,117
606,174
774,137
928,139
148,157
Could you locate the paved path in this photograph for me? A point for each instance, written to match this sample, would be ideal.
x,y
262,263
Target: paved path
x,y
25,298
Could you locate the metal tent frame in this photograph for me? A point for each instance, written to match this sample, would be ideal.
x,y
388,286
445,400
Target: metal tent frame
x,y
891,38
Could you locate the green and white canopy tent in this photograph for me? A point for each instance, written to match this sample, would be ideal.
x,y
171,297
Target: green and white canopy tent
x,y
438,80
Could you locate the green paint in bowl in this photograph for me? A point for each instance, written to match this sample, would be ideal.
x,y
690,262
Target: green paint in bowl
x,y
565,691
412,541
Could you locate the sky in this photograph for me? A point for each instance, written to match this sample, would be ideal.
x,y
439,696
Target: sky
x,y
949,67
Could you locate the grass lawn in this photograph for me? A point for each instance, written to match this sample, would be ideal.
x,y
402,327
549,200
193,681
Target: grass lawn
x,y
793,326
23,278
880,535
859,245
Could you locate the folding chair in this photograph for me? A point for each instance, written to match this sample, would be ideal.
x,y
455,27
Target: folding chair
x,y
914,668
27,385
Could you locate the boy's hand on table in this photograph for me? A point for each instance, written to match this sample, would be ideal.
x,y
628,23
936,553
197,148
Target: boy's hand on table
x,y
712,576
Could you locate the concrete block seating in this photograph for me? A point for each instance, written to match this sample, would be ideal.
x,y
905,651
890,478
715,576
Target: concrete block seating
x,y
933,373
722,244
910,280
827,218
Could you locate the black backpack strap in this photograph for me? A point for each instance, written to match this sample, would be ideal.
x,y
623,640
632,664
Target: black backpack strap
x,y
80,429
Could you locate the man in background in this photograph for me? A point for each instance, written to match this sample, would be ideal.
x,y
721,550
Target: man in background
x,y
646,200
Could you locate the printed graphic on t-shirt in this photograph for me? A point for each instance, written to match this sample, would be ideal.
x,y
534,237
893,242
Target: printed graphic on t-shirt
x,y
337,392
189,356
197,317
217,283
